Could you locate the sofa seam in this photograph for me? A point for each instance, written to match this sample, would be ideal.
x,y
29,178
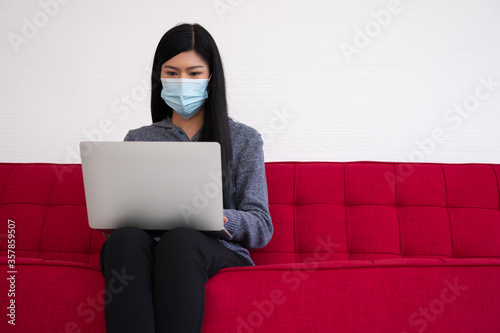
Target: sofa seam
x,y
345,214
409,256
337,162
294,211
60,264
397,210
378,204
46,213
261,268
40,204
448,210
498,184
90,245
47,251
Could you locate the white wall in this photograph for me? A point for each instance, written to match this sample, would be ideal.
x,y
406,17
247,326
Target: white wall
x,y
303,73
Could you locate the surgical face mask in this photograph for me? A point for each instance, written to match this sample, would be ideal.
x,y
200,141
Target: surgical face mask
x,y
185,96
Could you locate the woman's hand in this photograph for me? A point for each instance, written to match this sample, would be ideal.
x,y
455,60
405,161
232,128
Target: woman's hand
x,y
225,219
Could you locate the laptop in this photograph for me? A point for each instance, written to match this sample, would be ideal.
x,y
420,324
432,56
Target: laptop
x,y
154,186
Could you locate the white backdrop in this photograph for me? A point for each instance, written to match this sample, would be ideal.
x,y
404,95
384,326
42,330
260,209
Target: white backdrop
x,y
320,80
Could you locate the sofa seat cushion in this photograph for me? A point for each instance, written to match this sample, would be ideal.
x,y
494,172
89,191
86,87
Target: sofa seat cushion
x,y
56,296
402,295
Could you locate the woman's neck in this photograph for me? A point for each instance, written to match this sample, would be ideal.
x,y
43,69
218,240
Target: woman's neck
x,y
191,125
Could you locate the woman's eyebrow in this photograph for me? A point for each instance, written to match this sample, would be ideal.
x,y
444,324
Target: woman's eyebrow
x,y
192,67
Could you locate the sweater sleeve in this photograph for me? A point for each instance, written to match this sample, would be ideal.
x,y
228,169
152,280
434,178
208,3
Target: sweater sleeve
x,y
250,223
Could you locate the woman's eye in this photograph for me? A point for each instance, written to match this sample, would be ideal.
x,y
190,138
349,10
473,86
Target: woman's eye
x,y
170,73
194,73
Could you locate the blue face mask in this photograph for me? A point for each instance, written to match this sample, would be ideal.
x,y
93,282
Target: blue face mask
x,y
185,96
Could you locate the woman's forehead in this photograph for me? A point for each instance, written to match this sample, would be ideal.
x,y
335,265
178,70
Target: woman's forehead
x,y
185,59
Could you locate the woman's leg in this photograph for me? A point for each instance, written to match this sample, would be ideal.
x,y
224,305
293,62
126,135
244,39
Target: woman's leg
x,y
126,263
184,259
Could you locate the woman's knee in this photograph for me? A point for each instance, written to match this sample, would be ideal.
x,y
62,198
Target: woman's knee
x,y
127,246
128,235
180,241
128,240
181,236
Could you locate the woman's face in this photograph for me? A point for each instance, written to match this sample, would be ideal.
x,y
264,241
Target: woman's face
x,y
185,65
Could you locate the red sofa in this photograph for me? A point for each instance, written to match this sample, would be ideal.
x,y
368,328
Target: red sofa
x,y
357,247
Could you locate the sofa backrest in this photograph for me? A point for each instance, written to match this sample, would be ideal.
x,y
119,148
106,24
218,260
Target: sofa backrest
x,y
47,204
379,210
320,210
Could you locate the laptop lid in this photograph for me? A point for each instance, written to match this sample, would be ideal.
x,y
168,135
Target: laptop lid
x,y
153,185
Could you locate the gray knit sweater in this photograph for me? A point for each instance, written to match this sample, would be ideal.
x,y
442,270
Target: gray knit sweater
x,y
248,217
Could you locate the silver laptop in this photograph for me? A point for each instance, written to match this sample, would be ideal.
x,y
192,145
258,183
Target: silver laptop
x,y
153,185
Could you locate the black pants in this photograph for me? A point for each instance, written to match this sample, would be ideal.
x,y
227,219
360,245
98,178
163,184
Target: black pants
x,y
160,286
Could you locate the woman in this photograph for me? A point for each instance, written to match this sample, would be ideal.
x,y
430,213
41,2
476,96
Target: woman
x,y
167,272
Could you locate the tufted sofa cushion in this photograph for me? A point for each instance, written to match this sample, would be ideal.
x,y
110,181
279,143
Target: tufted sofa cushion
x,y
382,210
47,204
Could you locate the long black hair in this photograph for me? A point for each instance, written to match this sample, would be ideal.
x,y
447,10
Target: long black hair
x,y
187,37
